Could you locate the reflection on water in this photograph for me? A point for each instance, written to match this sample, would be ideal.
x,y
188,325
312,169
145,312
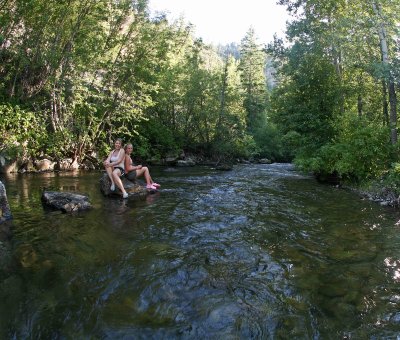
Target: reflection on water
x,y
258,252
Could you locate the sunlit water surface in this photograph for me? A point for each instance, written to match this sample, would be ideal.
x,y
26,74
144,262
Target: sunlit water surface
x,y
259,252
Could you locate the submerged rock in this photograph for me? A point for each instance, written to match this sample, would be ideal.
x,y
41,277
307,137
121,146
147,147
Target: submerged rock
x,y
132,188
66,201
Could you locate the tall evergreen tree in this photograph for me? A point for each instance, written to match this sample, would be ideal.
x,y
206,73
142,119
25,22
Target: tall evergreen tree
x,y
252,68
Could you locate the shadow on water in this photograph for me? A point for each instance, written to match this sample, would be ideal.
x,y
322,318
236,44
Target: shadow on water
x,y
258,252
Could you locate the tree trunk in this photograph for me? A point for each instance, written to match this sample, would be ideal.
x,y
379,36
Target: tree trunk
x,y
385,103
359,105
385,60
223,99
393,112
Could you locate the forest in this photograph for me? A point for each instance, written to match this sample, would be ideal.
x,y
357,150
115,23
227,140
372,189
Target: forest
x,y
77,74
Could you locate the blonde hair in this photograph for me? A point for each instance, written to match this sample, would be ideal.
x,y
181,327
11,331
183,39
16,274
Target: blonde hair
x,y
126,145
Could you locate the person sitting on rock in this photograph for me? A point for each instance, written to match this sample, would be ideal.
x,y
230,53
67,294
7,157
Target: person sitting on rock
x,y
133,171
115,167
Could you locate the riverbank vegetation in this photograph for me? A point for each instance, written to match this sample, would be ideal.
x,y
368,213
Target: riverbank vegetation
x,y
336,103
77,74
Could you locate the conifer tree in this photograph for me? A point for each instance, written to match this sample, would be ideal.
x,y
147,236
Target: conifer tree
x,y
252,65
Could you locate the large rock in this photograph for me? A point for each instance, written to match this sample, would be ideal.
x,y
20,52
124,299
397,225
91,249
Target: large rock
x,y
186,162
8,164
171,160
45,165
264,161
132,188
66,201
5,231
87,165
63,164
5,212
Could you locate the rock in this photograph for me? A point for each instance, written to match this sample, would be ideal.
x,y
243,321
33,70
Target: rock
x,y
171,160
66,201
132,188
45,165
5,212
5,231
186,162
87,165
75,165
264,161
27,166
8,165
63,164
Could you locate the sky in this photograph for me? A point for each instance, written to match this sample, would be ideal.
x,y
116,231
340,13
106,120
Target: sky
x,y
226,21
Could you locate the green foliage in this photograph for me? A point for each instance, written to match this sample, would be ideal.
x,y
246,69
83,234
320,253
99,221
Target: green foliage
x,y
157,141
391,179
269,141
361,151
244,147
21,130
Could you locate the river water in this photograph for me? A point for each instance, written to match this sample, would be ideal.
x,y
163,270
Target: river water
x,y
260,252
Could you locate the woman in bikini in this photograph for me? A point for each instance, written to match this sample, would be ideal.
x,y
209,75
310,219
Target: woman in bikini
x,y
133,171
114,165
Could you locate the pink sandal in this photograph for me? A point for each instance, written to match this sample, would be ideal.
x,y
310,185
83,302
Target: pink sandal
x,y
151,187
156,185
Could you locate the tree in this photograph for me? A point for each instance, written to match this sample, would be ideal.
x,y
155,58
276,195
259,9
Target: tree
x,y
252,68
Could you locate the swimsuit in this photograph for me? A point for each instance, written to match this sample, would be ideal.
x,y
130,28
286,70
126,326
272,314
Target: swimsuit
x,y
131,175
119,166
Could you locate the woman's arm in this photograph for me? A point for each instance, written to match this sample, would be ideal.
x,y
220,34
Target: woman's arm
x,y
129,166
107,161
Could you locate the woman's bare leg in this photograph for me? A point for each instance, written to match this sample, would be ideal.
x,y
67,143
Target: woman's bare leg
x,y
117,180
109,171
144,171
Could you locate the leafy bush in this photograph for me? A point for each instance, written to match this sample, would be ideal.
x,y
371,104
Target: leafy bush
x,y
361,151
155,140
22,131
267,139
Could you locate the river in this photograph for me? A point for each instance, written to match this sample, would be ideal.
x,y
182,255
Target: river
x,y
259,252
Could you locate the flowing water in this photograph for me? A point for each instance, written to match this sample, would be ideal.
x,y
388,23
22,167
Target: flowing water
x,y
260,252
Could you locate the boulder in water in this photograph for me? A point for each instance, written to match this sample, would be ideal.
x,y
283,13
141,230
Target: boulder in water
x,y
66,201
5,231
5,212
186,162
132,188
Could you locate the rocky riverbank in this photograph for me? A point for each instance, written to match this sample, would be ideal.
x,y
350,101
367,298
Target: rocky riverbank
x,y
384,195
47,164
